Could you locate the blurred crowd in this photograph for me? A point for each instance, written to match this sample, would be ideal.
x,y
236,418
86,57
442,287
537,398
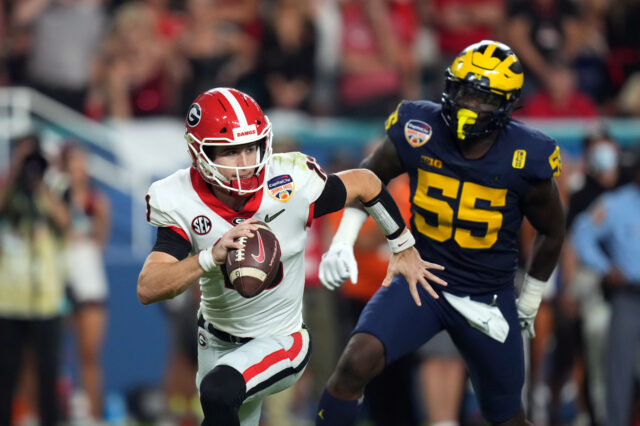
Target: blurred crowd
x,y
111,59
121,59
54,225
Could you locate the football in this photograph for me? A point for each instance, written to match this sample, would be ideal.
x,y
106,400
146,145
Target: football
x,y
255,266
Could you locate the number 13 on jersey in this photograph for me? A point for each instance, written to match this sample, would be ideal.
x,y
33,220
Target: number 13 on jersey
x,y
466,197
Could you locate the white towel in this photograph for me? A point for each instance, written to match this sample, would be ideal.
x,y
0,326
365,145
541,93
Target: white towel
x,y
485,318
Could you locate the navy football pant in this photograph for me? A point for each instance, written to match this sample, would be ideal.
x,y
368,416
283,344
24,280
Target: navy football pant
x,y
496,369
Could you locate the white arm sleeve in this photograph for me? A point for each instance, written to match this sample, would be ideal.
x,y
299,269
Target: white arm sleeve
x,y
350,225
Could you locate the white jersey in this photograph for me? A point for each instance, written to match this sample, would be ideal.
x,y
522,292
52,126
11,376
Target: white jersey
x,y
184,201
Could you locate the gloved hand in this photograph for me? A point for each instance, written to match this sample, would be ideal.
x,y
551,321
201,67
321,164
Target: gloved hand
x,y
529,302
338,264
526,322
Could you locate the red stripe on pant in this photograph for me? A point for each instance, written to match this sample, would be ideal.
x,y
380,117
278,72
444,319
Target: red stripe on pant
x,y
274,358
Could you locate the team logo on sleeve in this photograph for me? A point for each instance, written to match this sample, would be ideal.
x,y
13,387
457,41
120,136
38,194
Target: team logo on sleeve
x,y
201,225
281,187
417,132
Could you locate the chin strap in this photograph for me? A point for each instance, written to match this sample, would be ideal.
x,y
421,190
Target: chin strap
x,y
246,186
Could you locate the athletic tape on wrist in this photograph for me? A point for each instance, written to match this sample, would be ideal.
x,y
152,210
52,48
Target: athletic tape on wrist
x,y
384,210
401,243
352,221
205,259
530,295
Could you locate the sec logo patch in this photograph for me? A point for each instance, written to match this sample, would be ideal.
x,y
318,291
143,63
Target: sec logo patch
x,y
201,225
281,187
417,132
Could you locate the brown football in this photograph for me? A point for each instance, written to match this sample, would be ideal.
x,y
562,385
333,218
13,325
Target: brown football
x,y
256,265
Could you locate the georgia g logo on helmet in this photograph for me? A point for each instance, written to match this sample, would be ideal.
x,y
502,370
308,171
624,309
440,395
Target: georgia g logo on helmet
x,y
194,115
490,73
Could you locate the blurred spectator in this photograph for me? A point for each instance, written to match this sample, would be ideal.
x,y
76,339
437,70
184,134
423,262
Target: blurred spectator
x,y
245,15
442,377
65,36
218,52
169,24
87,282
592,50
628,101
183,402
377,63
138,74
559,97
326,18
32,225
584,315
4,37
614,223
542,32
600,153
622,34
287,54
459,23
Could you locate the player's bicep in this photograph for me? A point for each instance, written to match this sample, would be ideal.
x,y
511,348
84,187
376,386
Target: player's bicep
x,y
157,257
543,207
384,161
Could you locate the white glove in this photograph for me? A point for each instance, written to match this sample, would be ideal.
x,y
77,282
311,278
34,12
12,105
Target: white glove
x,y
338,264
527,322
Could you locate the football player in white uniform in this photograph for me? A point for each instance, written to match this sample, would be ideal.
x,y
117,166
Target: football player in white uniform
x,y
249,348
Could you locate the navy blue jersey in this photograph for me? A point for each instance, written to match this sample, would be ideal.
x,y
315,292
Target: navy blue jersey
x,y
466,214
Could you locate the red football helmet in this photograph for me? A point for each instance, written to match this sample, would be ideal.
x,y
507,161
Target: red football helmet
x,y
223,117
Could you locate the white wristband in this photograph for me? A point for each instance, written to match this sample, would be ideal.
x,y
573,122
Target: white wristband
x,y
352,221
530,295
205,258
401,243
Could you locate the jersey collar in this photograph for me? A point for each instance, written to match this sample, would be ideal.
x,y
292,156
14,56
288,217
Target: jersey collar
x,y
220,208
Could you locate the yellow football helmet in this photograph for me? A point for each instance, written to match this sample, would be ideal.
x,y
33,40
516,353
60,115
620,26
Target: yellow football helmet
x,y
482,87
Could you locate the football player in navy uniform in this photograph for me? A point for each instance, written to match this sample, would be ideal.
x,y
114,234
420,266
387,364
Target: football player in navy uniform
x,y
249,348
474,174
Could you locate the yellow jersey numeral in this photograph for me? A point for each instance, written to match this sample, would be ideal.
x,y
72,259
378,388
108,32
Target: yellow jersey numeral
x,y
471,192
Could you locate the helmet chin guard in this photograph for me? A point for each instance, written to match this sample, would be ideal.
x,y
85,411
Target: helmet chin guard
x,y
225,117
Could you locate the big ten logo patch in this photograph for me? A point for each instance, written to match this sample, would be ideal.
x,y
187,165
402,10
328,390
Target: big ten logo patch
x,y
281,187
201,225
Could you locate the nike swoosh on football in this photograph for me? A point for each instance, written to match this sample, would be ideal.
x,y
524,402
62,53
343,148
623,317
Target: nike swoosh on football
x,y
268,218
260,257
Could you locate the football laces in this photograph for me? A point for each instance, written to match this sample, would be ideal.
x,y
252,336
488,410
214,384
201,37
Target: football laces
x,y
241,250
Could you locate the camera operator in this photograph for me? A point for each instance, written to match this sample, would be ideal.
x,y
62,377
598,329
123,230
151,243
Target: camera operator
x,y
32,226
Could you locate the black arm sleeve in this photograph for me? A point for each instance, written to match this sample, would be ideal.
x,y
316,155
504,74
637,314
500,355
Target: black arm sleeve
x,y
170,242
333,197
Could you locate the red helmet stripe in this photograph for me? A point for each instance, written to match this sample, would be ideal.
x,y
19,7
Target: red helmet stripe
x,y
237,109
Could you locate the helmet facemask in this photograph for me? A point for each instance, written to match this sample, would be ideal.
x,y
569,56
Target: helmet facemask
x,y
472,111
